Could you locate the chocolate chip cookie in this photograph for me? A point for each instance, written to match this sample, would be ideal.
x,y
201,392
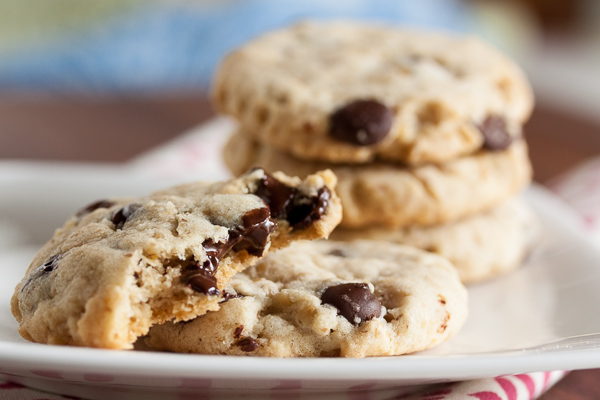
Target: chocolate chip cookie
x,y
121,265
389,195
481,247
347,92
325,299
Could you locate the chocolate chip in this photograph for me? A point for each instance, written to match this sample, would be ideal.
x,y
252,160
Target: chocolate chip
x,y
121,216
238,331
354,301
495,136
199,279
43,269
51,264
247,344
257,226
94,206
304,214
226,296
277,195
203,283
286,202
255,217
214,252
252,236
361,122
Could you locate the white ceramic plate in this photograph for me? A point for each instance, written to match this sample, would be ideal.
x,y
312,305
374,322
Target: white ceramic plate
x,y
542,317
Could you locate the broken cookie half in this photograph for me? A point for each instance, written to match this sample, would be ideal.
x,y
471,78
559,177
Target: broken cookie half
x,y
119,266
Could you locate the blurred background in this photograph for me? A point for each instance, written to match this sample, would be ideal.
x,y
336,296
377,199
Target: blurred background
x,y
106,80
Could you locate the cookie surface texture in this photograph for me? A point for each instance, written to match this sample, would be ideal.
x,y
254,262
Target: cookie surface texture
x,y
347,92
121,265
392,196
481,247
326,298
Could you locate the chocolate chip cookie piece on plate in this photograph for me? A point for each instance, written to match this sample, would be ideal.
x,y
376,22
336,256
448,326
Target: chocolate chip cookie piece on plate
x,y
121,265
326,298
349,92
481,247
388,195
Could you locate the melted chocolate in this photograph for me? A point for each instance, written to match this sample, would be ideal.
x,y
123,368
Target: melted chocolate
x,y
257,226
495,136
226,296
277,195
199,279
354,301
361,122
252,236
121,216
204,283
304,214
214,252
288,203
94,206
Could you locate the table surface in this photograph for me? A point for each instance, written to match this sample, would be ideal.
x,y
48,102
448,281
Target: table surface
x,y
116,129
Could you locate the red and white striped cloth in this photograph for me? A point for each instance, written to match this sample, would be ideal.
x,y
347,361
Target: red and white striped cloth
x,y
513,387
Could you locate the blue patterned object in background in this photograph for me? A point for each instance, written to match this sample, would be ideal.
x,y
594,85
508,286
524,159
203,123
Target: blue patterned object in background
x,y
174,46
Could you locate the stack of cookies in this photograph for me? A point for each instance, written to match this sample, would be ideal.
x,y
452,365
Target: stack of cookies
x,y
422,129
